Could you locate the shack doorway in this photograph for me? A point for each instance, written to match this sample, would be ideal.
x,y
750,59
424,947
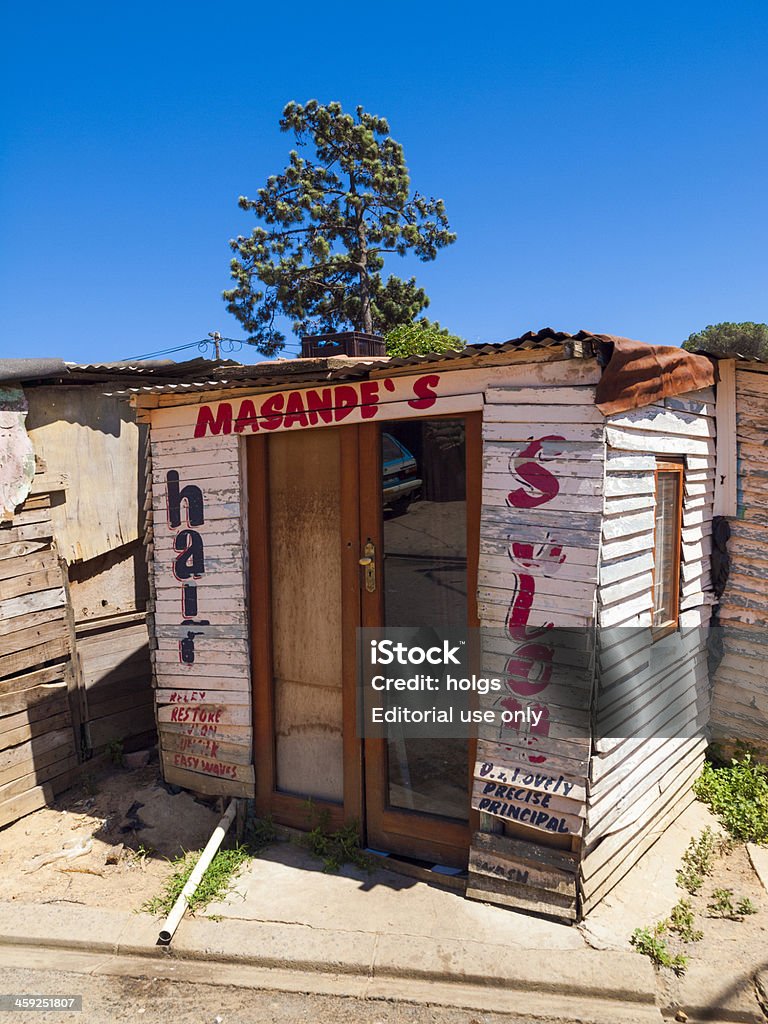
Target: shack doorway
x,y
362,525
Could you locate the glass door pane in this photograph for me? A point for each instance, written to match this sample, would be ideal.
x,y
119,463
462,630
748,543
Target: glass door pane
x,y
423,498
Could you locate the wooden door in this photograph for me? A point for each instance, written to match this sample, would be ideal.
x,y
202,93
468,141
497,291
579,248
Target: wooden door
x,y
315,498
305,609
420,498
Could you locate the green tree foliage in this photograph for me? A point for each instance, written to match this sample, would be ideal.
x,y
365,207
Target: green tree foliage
x,y
420,337
327,222
727,339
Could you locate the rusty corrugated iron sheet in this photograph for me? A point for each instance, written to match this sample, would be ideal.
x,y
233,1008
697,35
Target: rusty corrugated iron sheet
x,y
637,374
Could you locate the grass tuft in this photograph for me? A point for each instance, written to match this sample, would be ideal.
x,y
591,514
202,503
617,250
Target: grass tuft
x,y
214,885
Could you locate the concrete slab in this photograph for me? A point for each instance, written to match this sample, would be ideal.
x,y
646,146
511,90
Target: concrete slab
x,y
618,976
649,891
287,885
61,925
296,947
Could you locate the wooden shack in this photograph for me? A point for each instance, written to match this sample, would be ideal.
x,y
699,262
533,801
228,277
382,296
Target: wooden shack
x,y
555,491
75,672
740,680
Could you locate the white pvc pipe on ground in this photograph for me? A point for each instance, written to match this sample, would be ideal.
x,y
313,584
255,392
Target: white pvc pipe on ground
x,y
211,848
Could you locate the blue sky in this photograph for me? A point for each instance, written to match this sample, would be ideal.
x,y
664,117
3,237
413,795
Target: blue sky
x,y
603,164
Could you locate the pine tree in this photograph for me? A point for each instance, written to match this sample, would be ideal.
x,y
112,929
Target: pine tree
x,y
730,339
328,221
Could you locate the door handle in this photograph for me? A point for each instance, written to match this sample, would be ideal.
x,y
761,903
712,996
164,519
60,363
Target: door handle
x,y
368,564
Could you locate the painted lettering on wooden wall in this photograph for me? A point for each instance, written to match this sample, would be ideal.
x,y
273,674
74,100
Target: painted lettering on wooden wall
x,y
529,669
508,872
525,777
190,744
206,715
189,563
187,697
201,764
287,410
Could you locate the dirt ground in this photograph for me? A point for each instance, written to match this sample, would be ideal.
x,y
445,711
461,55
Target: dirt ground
x,y
726,944
133,811
112,806
151,1000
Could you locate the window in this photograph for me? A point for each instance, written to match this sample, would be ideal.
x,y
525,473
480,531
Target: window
x,y
667,539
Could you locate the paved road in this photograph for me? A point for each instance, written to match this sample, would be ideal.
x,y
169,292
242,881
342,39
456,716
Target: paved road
x,y
148,1000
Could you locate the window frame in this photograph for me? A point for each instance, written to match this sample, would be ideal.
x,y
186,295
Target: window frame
x,y
668,464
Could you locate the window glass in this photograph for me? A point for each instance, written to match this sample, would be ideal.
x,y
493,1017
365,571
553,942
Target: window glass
x,y
424,504
666,584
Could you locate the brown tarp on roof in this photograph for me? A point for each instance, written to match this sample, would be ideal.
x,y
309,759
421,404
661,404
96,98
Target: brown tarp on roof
x,y
638,374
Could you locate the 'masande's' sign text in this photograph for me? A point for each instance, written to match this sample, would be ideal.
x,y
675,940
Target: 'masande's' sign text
x,y
308,408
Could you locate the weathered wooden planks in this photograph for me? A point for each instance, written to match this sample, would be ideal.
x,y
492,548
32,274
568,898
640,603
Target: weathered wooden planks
x,y
199,627
740,689
652,698
37,749
540,538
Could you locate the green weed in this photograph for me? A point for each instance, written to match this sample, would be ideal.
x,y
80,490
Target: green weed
x,y
649,942
738,795
260,833
334,848
214,885
114,751
745,907
699,860
722,905
681,920
138,857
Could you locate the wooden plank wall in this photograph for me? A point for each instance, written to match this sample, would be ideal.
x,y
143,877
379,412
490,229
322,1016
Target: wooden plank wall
x,y
95,446
652,703
740,698
40,709
543,454
116,672
197,550
108,596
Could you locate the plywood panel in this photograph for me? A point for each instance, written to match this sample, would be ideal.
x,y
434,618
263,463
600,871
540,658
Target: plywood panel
x,y
94,440
305,512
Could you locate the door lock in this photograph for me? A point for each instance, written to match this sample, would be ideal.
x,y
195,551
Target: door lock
x,y
368,563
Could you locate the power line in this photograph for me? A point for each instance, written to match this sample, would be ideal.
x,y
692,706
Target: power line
x,y
168,351
214,339
218,343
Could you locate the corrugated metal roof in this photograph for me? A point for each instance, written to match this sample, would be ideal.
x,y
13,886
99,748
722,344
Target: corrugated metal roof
x,y
55,371
149,367
730,355
275,372
31,369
